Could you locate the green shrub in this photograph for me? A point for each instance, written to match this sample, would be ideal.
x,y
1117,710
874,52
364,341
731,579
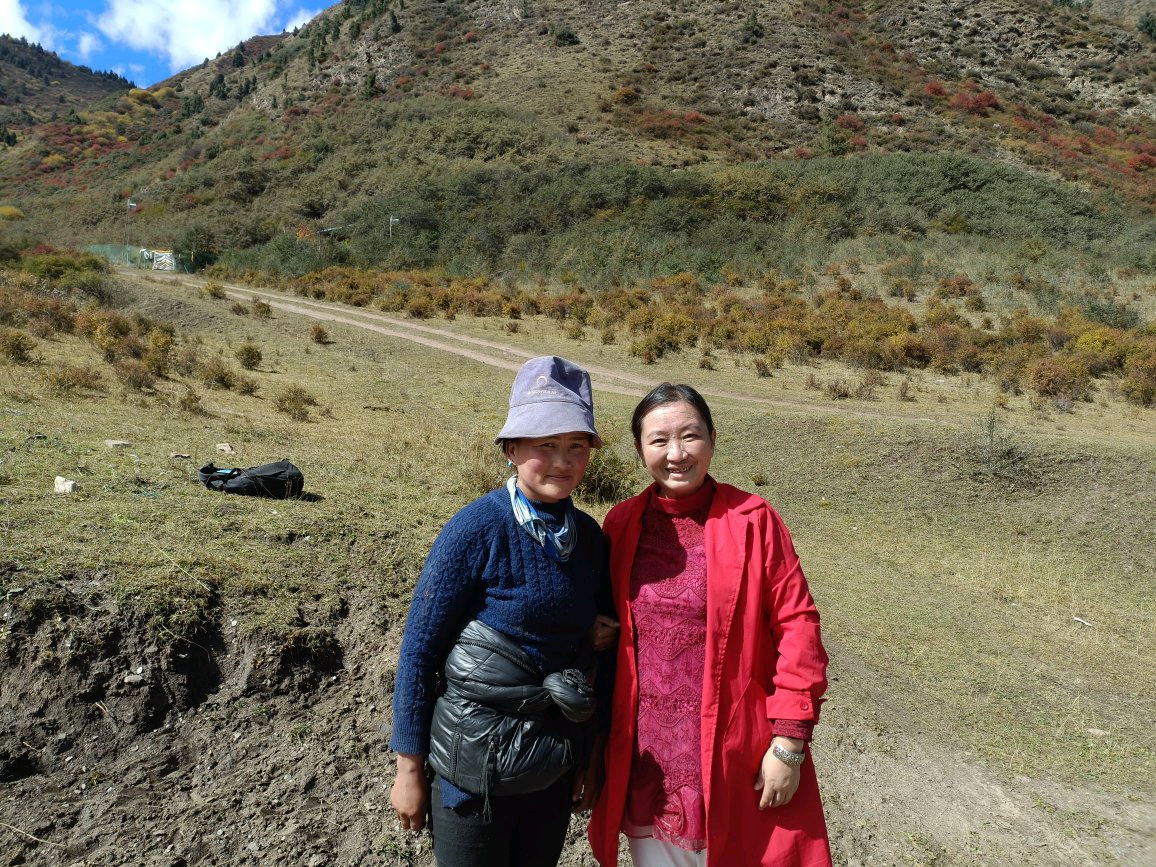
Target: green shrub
x,y
249,356
88,284
1108,312
53,266
1147,24
566,36
609,478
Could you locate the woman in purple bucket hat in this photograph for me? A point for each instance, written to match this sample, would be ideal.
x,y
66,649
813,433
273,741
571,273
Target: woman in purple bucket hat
x,y
494,712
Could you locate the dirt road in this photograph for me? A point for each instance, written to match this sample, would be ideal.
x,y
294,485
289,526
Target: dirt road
x,y
506,356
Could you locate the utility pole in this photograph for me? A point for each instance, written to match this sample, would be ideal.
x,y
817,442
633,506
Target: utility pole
x,y
130,206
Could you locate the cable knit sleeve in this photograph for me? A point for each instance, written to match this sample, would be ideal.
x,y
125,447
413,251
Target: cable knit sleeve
x,y
449,583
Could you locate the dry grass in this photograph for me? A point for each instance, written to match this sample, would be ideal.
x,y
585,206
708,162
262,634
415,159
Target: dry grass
x,y
956,591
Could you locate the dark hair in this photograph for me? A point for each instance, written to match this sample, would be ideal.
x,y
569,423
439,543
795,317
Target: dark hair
x,y
664,394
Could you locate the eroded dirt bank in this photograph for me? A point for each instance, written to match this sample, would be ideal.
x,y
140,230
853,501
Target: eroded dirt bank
x,y
117,749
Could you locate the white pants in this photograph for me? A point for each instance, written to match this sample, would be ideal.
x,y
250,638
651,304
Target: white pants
x,y
648,852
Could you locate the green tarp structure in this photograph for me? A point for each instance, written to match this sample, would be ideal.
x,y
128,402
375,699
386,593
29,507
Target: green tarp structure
x,y
140,257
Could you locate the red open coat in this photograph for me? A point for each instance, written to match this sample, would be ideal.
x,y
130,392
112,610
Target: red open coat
x,y
764,661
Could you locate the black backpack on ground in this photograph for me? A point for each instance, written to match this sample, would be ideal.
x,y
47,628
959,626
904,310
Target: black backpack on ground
x,y
279,480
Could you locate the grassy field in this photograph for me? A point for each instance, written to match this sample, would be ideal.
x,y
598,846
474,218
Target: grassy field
x,y
1002,597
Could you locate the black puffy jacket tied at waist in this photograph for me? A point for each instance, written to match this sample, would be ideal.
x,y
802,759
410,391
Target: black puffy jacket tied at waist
x,y
500,727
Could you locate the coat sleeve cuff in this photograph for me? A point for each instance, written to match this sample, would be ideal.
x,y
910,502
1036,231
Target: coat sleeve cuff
x,y
786,704
800,729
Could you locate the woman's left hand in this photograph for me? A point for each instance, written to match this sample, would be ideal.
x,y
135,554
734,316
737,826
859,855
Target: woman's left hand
x,y
777,781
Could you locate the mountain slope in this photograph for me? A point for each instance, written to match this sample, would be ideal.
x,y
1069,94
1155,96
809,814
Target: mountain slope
x,y
36,85
291,134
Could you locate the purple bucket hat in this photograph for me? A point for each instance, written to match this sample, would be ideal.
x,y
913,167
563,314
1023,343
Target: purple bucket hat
x,y
550,396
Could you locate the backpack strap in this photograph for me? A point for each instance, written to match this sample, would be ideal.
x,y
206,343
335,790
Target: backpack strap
x,y
214,477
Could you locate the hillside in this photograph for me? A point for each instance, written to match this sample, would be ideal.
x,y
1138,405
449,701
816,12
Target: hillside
x,y
1125,12
196,678
358,110
37,86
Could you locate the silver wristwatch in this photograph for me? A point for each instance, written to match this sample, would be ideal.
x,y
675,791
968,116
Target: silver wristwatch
x,y
786,756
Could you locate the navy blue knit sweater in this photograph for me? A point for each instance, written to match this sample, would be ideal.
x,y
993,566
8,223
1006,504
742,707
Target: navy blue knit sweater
x,y
484,566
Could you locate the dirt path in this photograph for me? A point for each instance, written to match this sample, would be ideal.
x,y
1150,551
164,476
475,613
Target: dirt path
x,y
507,357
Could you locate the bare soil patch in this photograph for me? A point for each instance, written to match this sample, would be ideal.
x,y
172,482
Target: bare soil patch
x,y
231,749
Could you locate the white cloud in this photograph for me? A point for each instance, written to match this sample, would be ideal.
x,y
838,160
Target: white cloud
x,y
14,22
186,33
86,45
301,17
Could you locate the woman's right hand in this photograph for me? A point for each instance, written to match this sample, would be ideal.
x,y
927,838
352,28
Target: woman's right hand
x,y
604,633
410,793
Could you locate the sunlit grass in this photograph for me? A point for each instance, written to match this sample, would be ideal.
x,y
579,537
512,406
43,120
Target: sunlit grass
x,y
954,592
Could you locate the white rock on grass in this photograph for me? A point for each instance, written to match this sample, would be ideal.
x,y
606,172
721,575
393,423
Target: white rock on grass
x,y
226,448
65,486
118,444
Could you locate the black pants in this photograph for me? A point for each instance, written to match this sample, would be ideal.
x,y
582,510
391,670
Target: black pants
x,y
523,831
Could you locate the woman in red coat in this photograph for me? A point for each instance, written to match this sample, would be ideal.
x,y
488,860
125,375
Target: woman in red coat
x,y
721,670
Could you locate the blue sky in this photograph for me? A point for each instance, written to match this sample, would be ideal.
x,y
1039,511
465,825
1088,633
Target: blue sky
x,y
146,41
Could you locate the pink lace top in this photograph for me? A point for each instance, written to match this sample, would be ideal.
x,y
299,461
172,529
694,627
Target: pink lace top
x,y
668,599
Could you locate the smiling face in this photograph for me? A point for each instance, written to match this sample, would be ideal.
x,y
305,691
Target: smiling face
x,y
550,468
676,447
